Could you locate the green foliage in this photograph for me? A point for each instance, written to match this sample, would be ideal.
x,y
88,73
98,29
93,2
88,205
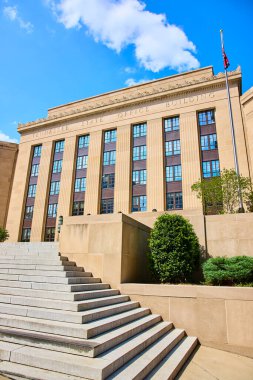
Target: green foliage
x,y
3,234
220,195
228,271
174,249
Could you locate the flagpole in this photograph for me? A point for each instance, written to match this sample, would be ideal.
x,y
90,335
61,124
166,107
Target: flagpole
x,y
241,208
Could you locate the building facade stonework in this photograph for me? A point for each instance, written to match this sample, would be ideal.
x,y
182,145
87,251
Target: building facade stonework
x,y
133,151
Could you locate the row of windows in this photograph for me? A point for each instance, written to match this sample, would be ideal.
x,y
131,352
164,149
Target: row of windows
x,y
173,173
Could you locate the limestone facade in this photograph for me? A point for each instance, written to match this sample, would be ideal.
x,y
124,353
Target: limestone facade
x,y
8,156
134,151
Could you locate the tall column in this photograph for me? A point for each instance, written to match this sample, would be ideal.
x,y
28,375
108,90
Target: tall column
x,y
18,194
122,170
190,156
155,165
91,204
66,185
40,204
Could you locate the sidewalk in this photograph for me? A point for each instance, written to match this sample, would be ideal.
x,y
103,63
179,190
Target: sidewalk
x,y
211,364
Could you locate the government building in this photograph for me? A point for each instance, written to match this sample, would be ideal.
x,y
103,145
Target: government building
x,y
135,151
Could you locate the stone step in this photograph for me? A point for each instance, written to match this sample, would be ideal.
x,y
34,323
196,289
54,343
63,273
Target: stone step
x,y
84,331
66,316
65,296
21,372
63,305
56,261
30,256
138,321
141,365
26,267
169,367
92,368
52,287
50,279
47,273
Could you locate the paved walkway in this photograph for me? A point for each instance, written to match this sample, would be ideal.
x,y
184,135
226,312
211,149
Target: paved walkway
x,y
211,364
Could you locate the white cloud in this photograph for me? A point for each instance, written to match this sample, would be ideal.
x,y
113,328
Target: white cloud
x,y
133,82
130,70
11,12
119,23
4,137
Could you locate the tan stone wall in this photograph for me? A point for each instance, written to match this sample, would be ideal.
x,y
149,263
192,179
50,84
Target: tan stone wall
x,y
221,317
8,156
19,189
112,247
247,110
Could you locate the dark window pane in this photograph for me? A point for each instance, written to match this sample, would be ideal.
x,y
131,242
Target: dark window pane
x,y
107,206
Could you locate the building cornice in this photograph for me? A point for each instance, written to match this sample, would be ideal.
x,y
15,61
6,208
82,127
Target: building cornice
x,y
130,96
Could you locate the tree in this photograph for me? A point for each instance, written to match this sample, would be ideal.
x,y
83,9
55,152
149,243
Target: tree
x,y
220,194
3,234
174,249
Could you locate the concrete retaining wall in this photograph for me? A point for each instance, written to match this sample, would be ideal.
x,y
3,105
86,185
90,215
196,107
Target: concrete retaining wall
x,y
221,317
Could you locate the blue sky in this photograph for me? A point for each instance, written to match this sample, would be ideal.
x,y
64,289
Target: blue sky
x,y
57,51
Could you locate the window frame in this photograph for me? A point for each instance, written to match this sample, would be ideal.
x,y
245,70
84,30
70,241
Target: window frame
x,y
212,170
139,177
171,148
59,146
107,204
110,136
206,117
83,141
171,124
52,210
175,201
139,130
174,172
79,210
142,152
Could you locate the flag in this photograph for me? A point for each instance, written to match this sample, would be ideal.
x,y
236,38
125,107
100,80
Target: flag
x,y
225,59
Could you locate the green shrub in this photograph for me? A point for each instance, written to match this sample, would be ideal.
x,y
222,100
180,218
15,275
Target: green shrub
x,y
228,271
174,249
3,234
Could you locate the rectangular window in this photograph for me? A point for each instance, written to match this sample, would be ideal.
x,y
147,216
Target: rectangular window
x,y
139,203
32,191
82,162
173,173
57,166
211,168
26,234
52,210
78,208
174,201
107,206
171,124
172,148
206,117
83,141
108,181
37,151
209,142
59,146
80,184
35,170
109,158
55,188
139,153
110,136
140,130
28,212
49,233
139,177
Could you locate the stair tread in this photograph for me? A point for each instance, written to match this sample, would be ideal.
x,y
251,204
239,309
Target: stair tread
x,y
143,363
33,373
174,361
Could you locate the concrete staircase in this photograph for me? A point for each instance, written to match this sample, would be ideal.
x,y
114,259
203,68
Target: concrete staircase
x,y
57,322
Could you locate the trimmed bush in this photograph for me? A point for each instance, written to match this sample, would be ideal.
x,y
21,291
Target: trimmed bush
x,y
3,234
228,271
174,249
